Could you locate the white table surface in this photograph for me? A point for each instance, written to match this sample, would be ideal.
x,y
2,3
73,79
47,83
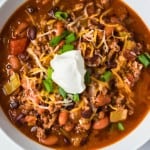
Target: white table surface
x,y
7,144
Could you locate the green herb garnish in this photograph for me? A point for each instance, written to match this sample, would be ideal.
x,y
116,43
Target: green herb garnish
x,y
61,15
144,59
56,40
62,92
70,38
147,55
87,77
48,83
76,97
106,76
66,48
49,73
120,126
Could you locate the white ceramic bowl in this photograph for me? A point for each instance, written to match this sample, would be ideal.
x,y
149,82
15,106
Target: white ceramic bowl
x,y
131,142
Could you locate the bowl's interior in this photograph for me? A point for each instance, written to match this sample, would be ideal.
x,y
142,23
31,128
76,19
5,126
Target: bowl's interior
x,y
132,141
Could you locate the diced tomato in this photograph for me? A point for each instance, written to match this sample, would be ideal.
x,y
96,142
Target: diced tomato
x,y
17,46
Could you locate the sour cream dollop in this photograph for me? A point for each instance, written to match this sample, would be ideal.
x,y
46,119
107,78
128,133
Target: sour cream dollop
x,y
69,71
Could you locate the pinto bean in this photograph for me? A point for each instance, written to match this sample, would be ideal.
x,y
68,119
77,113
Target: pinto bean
x,y
101,124
63,117
14,61
68,126
102,100
49,141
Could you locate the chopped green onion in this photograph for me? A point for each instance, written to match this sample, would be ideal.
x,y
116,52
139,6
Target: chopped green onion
x,y
106,76
144,60
87,77
70,38
48,84
147,55
55,40
76,97
62,92
61,15
120,127
49,73
66,48
65,33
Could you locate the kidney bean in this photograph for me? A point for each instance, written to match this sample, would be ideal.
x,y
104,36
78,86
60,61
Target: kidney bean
x,y
63,117
84,140
101,124
23,56
32,32
31,9
19,118
15,63
86,113
8,66
70,106
66,140
49,141
14,104
52,11
69,19
34,129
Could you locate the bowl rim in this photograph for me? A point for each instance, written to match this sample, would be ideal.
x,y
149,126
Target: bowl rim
x,y
131,141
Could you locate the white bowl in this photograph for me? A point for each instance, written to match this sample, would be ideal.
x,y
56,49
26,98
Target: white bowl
x,y
132,141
